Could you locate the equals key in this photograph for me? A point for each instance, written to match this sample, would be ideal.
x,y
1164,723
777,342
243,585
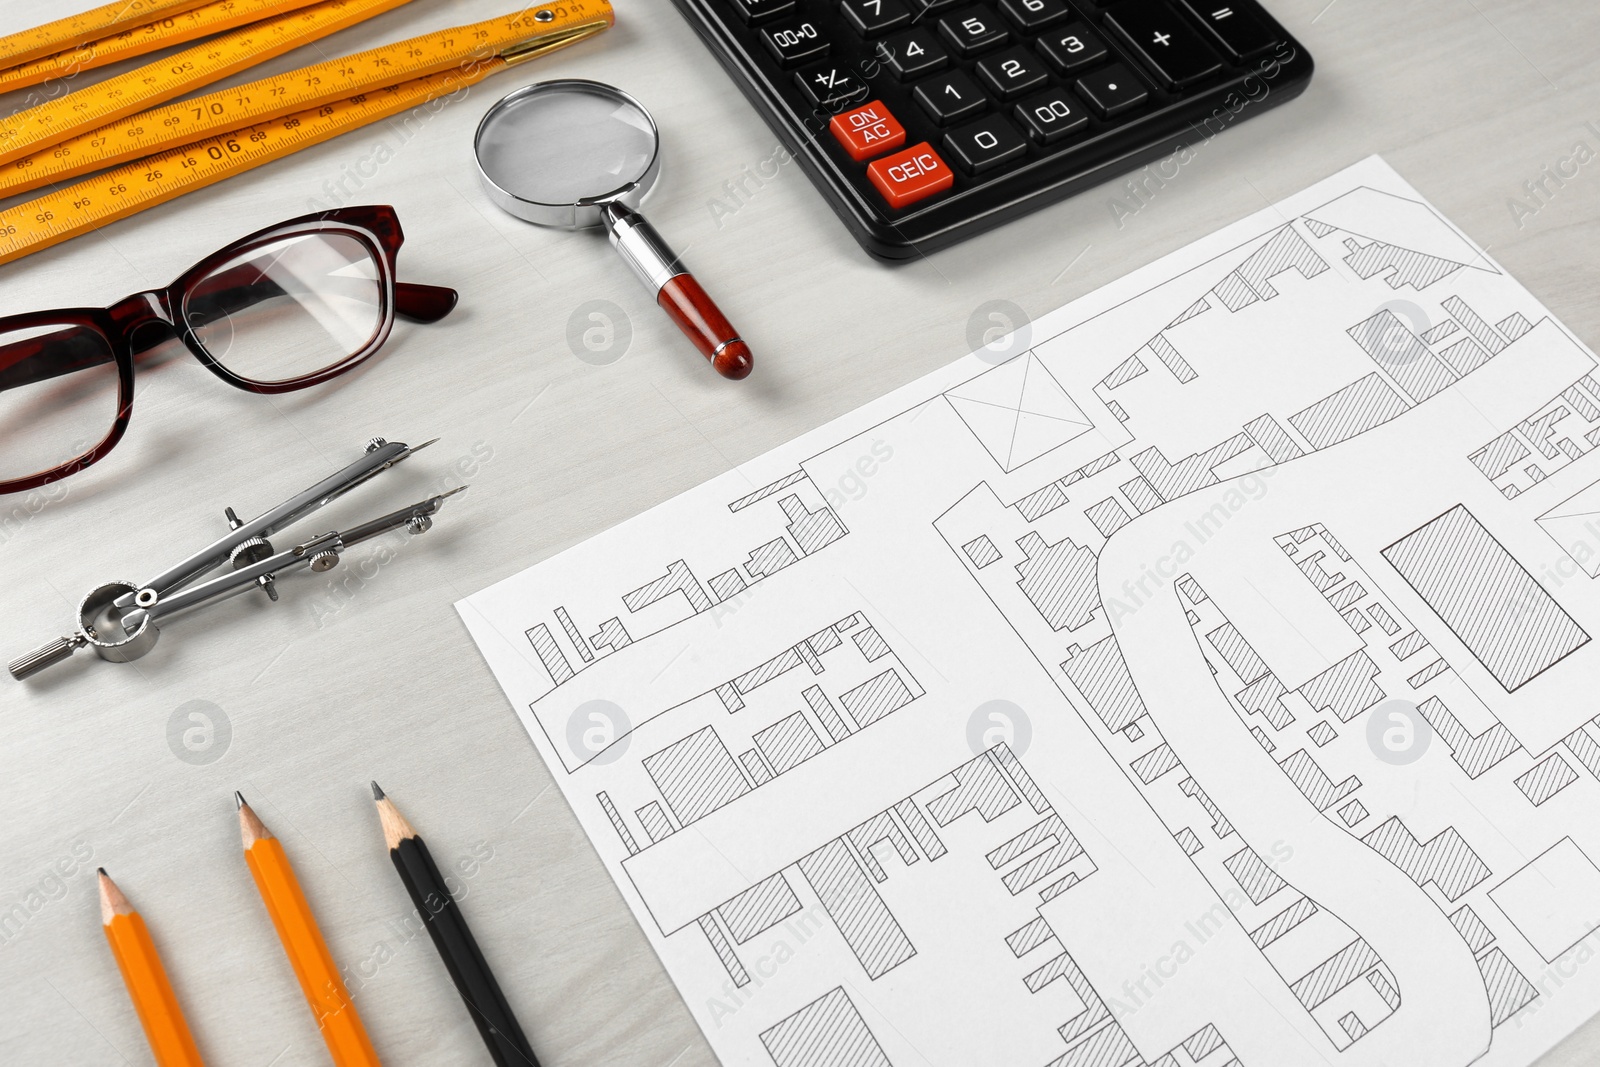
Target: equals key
x,y
1233,26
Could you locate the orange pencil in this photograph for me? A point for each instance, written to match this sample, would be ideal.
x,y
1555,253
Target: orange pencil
x,y
313,964
146,979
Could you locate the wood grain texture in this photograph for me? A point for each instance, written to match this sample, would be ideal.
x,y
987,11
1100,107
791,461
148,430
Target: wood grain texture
x,y
705,326
365,672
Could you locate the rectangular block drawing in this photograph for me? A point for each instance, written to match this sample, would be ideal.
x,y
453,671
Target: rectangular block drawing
x,y
1488,599
828,1032
856,908
696,776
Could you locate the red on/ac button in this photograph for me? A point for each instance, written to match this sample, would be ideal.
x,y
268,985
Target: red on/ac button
x,y
909,176
868,131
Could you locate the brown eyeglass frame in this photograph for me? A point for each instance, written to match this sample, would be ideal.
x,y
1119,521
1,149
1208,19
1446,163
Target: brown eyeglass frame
x,y
179,308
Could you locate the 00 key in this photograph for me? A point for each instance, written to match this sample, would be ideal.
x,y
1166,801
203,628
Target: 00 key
x,y
1051,116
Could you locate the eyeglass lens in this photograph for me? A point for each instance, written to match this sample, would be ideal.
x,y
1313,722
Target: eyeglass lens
x,y
290,308
58,396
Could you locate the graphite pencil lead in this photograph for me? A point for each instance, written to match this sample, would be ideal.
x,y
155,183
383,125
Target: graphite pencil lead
x,y
102,872
238,799
377,791
112,902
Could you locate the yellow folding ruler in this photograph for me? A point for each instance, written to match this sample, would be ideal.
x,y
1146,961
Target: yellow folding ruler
x,y
77,30
197,142
171,28
47,123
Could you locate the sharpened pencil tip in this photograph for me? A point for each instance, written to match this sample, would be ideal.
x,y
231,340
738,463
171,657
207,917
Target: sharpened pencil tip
x,y
238,799
102,872
112,902
395,827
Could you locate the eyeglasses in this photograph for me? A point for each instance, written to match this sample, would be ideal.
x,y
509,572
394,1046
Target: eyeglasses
x,y
285,308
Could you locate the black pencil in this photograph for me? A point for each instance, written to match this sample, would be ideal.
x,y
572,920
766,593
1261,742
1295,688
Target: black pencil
x,y
462,958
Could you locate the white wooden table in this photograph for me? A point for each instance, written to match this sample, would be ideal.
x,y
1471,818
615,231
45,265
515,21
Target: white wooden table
x,y
366,672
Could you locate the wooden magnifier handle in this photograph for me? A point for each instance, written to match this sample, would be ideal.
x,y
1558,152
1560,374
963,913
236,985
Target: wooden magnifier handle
x,y
704,323
677,292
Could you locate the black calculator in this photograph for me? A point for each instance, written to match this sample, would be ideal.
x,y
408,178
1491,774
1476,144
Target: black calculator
x,y
924,122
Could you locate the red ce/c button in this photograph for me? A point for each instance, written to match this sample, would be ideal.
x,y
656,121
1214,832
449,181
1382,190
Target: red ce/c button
x,y
912,175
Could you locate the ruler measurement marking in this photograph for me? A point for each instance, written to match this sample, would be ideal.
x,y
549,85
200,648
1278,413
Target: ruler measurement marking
x,y
58,216
69,32
171,125
180,28
128,93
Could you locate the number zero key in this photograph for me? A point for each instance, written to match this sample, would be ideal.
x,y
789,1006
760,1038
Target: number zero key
x,y
985,144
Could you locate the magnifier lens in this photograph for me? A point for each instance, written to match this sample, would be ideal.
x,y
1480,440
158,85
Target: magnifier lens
x,y
565,145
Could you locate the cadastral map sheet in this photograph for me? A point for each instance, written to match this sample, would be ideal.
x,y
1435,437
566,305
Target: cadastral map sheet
x,y
1202,676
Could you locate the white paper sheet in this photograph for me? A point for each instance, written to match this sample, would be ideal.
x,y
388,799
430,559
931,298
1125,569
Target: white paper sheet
x,y
1202,676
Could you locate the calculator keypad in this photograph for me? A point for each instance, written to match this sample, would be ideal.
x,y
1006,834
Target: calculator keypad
x,y
924,100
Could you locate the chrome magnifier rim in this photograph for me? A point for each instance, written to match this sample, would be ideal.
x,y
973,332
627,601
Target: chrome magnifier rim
x,y
583,213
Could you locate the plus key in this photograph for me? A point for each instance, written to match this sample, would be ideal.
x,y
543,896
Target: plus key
x,y
1170,49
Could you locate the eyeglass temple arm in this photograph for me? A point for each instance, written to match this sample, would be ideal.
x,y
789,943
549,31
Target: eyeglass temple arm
x,y
39,359
423,303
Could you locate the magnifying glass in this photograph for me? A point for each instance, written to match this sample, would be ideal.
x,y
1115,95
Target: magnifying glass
x,y
577,153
